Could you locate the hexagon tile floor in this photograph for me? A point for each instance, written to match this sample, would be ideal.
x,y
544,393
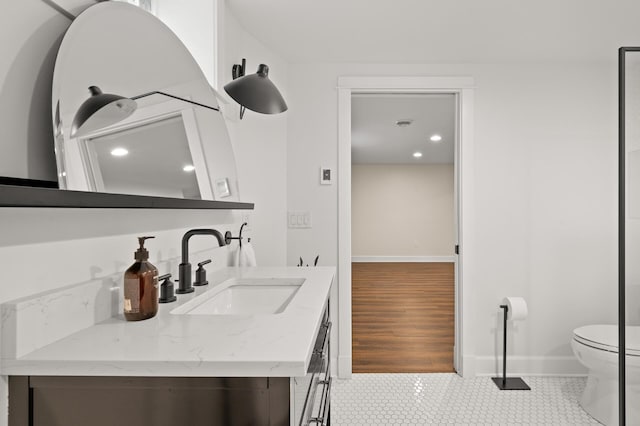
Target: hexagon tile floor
x,y
438,399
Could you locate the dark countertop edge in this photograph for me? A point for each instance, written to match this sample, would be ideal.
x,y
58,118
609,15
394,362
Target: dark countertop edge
x,y
22,196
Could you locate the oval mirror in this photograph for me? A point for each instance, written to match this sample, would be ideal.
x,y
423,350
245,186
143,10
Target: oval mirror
x,y
168,147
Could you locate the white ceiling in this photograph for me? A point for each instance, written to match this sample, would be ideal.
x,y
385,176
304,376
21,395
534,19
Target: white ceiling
x,y
376,139
441,31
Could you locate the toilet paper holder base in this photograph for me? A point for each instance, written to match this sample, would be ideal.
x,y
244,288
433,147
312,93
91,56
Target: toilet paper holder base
x,y
504,382
510,383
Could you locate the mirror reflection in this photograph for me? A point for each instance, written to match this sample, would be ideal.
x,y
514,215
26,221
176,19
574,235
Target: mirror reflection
x,y
128,161
167,147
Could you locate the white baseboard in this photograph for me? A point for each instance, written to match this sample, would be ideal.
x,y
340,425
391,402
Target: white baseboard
x,y
551,366
416,259
344,367
530,366
468,367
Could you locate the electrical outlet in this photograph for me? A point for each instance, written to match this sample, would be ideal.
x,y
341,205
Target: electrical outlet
x,y
306,220
293,220
299,219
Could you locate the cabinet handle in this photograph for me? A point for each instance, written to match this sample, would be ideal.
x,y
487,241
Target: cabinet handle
x,y
327,334
327,371
322,418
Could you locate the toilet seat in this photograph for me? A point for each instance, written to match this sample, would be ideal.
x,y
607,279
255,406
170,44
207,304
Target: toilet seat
x,y
605,337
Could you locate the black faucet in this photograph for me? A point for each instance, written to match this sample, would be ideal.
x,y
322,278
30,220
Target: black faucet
x,y
184,269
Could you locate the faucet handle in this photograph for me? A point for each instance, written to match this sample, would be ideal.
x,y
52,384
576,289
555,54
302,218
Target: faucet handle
x,y
201,274
166,289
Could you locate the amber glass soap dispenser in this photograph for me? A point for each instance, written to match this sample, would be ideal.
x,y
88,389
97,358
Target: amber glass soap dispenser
x,y
141,286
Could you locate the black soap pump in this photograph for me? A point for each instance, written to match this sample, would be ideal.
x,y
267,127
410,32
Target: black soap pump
x,y
141,286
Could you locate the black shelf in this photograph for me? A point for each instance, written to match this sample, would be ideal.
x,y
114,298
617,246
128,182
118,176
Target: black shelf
x,y
23,196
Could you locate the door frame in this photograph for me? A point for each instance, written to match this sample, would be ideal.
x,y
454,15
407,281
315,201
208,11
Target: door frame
x,y
463,87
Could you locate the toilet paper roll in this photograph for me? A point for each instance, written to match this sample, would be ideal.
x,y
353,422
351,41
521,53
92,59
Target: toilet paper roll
x,y
517,308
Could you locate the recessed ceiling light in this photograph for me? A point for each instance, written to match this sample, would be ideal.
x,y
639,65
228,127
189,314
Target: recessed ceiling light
x,y
417,154
435,138
189,168
119,152
404,122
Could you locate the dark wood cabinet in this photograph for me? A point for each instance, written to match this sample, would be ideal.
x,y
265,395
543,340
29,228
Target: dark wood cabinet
x,y
148,401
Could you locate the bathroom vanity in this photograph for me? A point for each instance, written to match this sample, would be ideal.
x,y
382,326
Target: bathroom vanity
x,y
214,357
250,348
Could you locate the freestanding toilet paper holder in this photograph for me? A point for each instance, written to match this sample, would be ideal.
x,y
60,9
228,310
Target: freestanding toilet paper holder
x,y
504,382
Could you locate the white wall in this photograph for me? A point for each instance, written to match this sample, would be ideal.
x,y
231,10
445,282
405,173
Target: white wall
x,y
411,203
193,22
545,194
217,41
260,145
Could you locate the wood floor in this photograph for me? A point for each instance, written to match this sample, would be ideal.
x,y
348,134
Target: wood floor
x,y
403,317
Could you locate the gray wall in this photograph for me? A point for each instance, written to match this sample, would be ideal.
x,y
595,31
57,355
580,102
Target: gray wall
x,y
31,31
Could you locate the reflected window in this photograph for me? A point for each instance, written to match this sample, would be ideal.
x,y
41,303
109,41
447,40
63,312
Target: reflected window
x,y
148,5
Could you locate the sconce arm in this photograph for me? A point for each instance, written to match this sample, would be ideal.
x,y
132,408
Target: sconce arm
x,y
174,97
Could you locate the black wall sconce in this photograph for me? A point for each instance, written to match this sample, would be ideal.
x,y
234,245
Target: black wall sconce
x,y
255,91
105,109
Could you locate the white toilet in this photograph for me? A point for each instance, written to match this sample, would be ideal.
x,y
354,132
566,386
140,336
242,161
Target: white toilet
x,y
596,346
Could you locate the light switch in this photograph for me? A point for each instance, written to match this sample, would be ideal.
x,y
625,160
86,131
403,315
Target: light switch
x,y
326,176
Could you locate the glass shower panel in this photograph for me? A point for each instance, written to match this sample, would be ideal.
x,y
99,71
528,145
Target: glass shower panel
x,y
630,216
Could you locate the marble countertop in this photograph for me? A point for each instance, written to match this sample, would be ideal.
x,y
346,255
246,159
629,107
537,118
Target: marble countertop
x,y
188,345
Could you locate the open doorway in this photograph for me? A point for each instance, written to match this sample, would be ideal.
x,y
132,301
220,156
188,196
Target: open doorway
x,y
463,88
403,231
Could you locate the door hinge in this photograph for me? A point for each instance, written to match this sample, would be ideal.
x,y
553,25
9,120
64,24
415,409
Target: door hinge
x,y
457,250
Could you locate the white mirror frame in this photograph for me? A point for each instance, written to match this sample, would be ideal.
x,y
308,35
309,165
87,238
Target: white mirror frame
x,y
82,171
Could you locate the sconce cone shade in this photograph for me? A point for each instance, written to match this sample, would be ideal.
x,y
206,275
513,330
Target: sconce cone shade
x,y
257,92
99,111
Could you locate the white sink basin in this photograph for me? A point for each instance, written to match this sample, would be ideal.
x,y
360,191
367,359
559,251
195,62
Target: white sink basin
x,y
248,296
